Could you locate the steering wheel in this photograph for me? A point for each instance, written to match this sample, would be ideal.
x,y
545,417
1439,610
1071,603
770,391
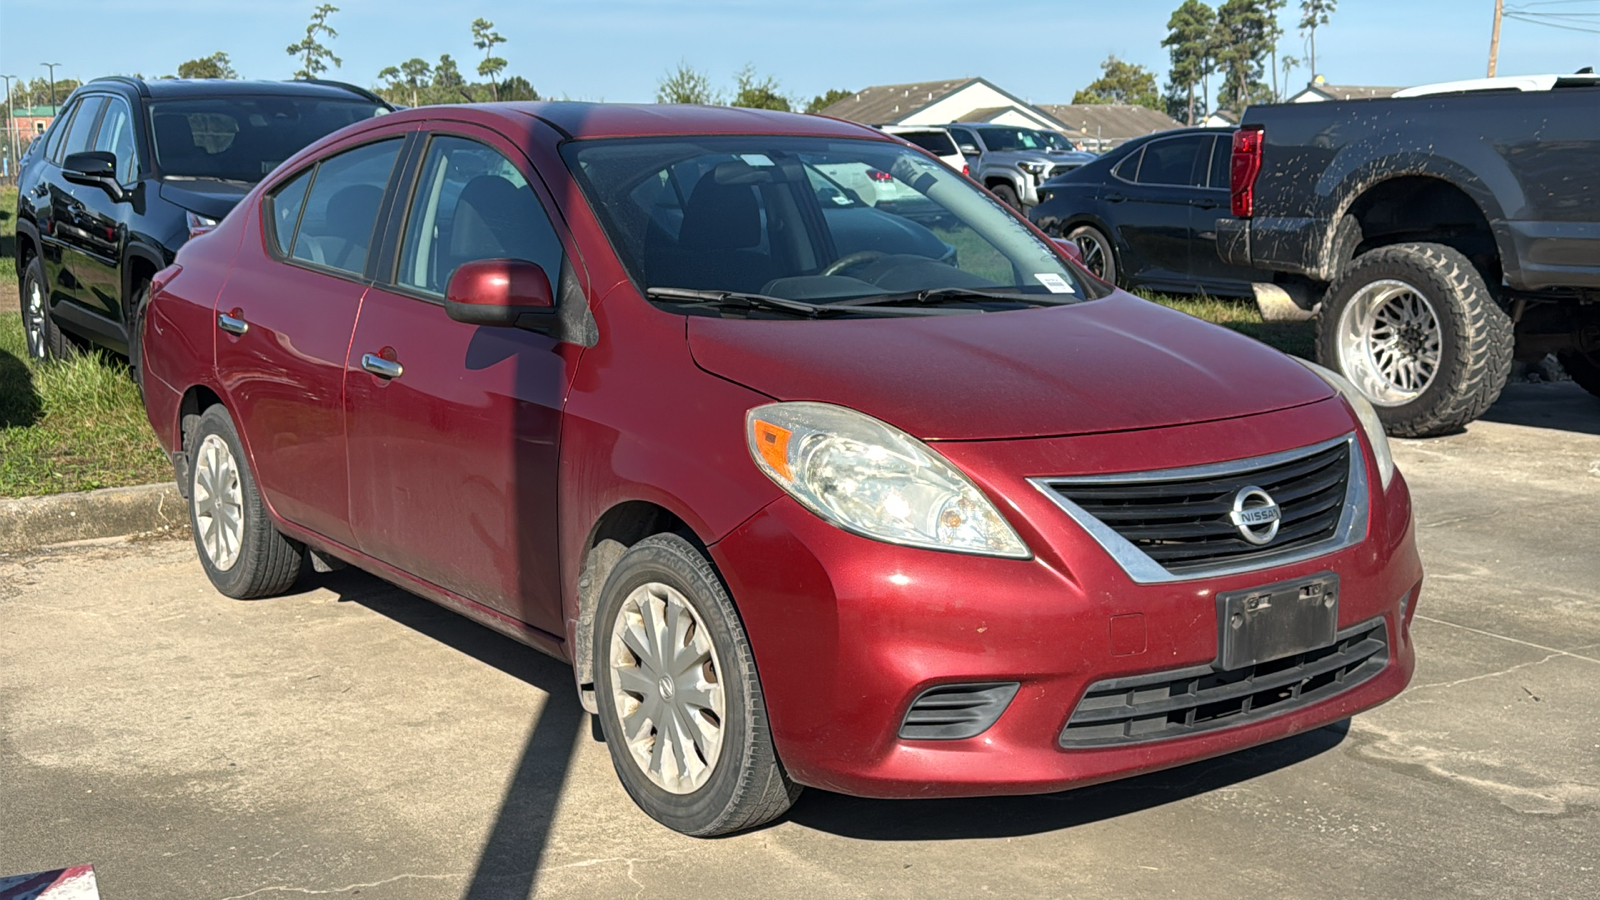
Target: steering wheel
x,y
851,259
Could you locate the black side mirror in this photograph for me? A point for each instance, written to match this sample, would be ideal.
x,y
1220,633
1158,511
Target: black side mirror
x,y
96,168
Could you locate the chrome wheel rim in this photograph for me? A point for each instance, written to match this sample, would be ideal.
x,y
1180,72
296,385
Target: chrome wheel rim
x,y
1094,253
1389,342
34,320
218,503
666,688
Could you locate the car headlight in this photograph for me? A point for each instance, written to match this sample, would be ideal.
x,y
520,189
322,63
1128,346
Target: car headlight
x,y
1036,169
1365,413
873,479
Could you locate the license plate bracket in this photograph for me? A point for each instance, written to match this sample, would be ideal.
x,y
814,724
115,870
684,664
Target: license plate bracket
x,y
1265,623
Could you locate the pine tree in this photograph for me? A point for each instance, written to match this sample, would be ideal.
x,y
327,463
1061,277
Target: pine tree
x,y
316,55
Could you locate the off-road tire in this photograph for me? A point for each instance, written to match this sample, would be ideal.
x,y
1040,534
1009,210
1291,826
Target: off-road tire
x,y
1007,195
54,344
1476,334
1584,368
747,786
268,563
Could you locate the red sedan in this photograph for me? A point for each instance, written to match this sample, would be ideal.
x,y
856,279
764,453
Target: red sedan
x,y
894,502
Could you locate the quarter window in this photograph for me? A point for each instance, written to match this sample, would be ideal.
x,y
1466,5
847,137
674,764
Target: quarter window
x,y
471,203
116,135
1221,158
341,208
1170,162
283,208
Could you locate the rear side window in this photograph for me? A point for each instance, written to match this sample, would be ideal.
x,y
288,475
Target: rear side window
x,y
471,203
341,208
936,142
1128,169
1170,162
283,209
82,130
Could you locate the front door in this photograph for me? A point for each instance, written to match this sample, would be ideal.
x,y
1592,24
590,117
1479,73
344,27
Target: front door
x,y
283,349
453,428
67,230
98,266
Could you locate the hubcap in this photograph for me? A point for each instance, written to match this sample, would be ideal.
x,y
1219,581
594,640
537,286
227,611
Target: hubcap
x,y
667,687
1094,255
218,502
1389,342
35,320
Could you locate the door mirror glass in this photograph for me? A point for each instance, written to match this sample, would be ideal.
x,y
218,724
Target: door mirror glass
x,y
504,292
1070,248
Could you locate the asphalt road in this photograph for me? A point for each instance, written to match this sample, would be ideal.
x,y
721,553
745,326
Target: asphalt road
x,y
354,740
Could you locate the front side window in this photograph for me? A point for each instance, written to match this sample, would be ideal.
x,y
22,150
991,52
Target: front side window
x,y
82,130
244,138
963,136
811,219
58,132
471,203
116,136
1171,162
341,208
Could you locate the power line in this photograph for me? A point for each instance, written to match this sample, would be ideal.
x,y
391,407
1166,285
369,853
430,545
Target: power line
x,y
1561,25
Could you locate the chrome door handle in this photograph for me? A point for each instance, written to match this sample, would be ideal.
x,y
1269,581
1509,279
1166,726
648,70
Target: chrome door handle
x,y
232,325
383,368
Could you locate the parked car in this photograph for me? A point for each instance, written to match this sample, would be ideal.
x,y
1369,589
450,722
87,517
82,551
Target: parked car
x,y
1011,161
933,139
1144,215
604,379
132,169
1438,237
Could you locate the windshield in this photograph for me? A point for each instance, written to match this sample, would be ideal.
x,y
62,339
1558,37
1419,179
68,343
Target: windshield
x,y
244,138
1054,141
809,219
1012,139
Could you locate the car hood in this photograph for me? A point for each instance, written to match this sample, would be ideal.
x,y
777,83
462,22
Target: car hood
x,y
1115,364
206,196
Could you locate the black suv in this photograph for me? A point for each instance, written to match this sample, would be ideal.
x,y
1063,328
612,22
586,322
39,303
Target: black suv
x,y
131,170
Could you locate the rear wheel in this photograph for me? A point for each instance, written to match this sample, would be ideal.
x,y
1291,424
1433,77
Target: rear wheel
x,y
1584,369
1007,195
1095,248
241,550
680,703
1415,329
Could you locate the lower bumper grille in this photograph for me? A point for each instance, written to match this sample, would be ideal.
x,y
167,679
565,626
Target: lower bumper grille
x,y
1166,705
955,711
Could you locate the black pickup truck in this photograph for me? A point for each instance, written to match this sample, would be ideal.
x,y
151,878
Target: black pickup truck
x,y
1441,236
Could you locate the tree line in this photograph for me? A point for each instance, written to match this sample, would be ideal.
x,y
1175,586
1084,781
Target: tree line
x,y
686,84
1236,41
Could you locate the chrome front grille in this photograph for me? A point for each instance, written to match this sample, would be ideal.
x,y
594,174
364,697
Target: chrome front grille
x,y
1174,524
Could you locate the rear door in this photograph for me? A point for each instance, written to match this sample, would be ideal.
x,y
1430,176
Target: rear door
x,y
284,323
1208,204
453,453
1148,205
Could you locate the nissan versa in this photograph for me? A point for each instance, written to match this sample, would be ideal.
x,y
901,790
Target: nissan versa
x,y
807,493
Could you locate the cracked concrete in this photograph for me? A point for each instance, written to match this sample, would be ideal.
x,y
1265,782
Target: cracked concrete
x,y
351,740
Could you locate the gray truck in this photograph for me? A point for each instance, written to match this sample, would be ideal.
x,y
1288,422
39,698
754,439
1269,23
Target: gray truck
x,y
1012,162
1438,237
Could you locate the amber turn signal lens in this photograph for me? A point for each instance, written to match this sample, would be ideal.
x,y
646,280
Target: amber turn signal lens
x,y
772,443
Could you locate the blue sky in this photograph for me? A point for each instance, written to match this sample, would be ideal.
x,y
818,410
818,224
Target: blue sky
x,y
617,49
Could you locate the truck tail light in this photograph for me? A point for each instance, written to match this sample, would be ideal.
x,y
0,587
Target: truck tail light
x,y
966,169
1245,166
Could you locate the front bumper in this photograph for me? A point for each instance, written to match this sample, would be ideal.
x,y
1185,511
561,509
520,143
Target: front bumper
x,y
848,631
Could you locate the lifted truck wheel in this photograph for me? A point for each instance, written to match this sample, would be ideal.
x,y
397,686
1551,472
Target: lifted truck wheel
x,y
1415,329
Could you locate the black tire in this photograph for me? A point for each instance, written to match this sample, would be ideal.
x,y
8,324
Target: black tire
x,y
1007,195
1099,256
265,562
1475,336
746,785
45,340
135,324
1346,239
1584,368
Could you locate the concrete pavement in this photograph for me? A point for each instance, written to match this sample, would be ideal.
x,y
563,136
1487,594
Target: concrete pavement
x,y
351,739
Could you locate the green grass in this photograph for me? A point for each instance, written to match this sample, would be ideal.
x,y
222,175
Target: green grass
x,y
1294,338
73,425
8,243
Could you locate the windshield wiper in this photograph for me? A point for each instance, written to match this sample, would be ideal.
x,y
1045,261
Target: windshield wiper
x,y
765,301
957,293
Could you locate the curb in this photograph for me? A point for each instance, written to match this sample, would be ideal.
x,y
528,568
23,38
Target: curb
x,y
29,523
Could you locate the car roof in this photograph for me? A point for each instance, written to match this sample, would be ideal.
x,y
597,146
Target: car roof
x,y
195,88
603,120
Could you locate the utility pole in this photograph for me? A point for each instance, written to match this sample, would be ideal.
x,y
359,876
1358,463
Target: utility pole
x,y
11,121
52,68
1494,42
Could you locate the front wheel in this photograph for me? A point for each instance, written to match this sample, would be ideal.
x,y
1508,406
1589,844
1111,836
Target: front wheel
x,y
241,550
680,703
1415,329
44,338
1007,195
